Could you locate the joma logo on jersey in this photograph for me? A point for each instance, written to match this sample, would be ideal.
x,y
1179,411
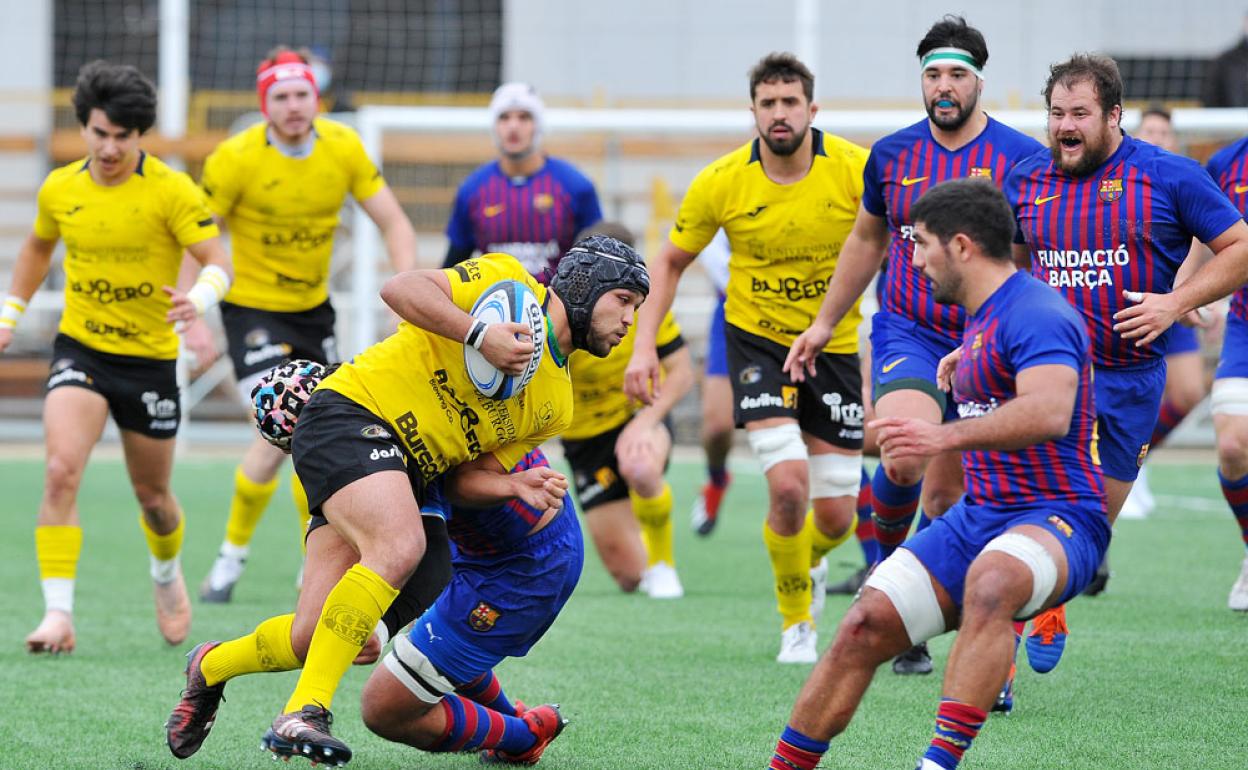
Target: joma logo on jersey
x,y
1110,190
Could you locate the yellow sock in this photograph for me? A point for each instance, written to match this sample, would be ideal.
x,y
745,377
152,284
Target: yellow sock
x,y
348,618
268,648
790,557
821,544
250,500
164,547
655,516
300,497
57,550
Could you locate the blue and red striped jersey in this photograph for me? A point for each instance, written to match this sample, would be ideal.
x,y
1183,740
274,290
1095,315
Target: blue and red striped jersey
x,y
535,219
1024,324
1126,226
903,166
1229,169
486,531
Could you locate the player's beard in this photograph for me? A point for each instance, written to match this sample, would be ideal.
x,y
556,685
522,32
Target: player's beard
x,y
958,119
785,147
1095,152
949,289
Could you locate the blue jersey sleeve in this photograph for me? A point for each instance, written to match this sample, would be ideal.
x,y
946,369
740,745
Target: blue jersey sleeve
x,y
1203,208
459,228
1011,187
872,187
1060,338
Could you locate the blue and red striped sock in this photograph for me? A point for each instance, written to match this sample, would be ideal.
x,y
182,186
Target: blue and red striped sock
x,y
488,691
865,529
1168,418
472,726
957,724
1236,494
893,506
796,751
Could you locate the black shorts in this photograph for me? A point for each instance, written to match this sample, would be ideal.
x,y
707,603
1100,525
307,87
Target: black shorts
x,y
261,339
827,406
142,393
337,442
595,470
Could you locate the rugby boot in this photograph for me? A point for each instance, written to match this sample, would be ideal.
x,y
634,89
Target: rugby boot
x,y
193,717
305,733
916,660
545,722
1047,639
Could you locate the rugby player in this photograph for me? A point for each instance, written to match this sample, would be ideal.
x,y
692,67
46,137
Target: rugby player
x,y
437,690
1107,220
619,450
125,218
787,201
1229,168
278,188
524,203
1019,540
913,331
375,433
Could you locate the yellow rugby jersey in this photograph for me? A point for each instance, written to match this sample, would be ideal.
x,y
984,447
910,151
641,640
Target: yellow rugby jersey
x,y
784,239
123,243
281,212
416,381
598,383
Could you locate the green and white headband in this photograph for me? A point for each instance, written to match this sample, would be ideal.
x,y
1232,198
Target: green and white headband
x,y
950,55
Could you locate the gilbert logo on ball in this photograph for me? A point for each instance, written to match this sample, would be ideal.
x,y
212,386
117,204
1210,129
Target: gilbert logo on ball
x,y
504,302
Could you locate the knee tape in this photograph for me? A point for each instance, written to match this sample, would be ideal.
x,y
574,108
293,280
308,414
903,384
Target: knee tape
x,y
777,444
835,475
417,673
906,583
1037,559
1230,396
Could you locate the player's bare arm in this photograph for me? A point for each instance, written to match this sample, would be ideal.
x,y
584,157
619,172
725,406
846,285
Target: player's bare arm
x,y
215,276
1225,272
641,378
484,482
423,298
196,334
396,229
859,260
677,372
33,261
1040,412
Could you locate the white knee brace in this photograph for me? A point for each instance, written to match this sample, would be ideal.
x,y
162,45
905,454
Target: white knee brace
x,y
835,475
907,584
1037,559
777,444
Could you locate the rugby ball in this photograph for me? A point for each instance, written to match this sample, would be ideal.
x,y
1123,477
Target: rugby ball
x,y
505,302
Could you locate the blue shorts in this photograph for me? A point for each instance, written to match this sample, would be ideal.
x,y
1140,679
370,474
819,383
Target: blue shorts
x,y
716,350
498,606
1181,339
1127,404
904,356
1234,360
952,541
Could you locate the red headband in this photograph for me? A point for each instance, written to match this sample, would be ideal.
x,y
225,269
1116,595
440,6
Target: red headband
x,y
285,66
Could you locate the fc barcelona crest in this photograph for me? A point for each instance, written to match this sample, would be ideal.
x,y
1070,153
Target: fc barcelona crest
x,y
1111,190
483,617
983,171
